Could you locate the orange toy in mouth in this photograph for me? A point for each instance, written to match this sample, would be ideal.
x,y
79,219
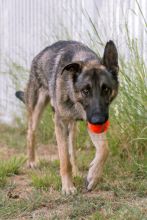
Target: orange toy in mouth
x,y
99,128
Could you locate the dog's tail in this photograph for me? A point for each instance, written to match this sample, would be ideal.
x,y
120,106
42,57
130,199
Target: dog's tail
x,y
20,95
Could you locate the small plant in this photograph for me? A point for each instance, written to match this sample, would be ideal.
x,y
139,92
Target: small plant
x,y
47,177
13,137
46,181
9,168
12,208
96,216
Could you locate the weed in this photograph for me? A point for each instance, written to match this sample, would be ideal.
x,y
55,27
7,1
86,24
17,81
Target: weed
x,y
9,168
83,206
47,177
84,158
11,208
46,181
14,137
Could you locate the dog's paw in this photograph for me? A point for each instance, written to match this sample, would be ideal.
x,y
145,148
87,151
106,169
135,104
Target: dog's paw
x,y
93,176
31,165
67,186
69,190
90,183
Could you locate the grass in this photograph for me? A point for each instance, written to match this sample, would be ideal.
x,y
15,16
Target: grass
x,y
14,137
81,207
129,112
46,181
47,176
128,177
15,208
124,211
9,168
121,194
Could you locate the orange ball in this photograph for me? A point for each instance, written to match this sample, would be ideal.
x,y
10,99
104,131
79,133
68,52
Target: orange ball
x,y
99,128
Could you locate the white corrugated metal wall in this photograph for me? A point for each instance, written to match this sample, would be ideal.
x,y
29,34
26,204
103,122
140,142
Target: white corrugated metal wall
x,y
27,26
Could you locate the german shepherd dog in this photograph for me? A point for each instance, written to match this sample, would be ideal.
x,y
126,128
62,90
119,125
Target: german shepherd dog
x,y
79,86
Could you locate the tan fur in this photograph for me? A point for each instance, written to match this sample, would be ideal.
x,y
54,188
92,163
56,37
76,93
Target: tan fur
x,y
61,129
71,147
89,65
96,166
33,119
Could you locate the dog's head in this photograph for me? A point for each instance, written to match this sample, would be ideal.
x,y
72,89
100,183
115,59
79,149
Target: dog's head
x,y
96,85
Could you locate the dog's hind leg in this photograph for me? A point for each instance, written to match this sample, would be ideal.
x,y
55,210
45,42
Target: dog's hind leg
x,y
71,146
62,133
96,166
33,119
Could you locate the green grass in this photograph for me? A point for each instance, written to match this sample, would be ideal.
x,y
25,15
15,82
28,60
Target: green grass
x,y
46,128
83,206
46,180
47,176
121,194
48,206
123,211
128,177
15,208
9,168
129,112
13,137
85,157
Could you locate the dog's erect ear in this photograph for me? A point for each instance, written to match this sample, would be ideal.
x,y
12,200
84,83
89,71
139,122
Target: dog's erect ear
x,y
110,58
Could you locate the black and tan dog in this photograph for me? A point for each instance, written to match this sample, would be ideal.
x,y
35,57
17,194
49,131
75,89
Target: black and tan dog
x,y
79,86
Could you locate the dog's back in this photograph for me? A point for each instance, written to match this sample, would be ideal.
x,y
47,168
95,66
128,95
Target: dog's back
x,y
48,63
47,66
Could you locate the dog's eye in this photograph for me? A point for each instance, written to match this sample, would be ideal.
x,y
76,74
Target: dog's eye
x,y
85,92
106,90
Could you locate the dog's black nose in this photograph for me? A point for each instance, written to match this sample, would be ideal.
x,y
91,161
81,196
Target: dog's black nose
x,y
98,119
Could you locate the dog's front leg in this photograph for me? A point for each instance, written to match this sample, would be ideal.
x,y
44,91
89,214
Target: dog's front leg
x,y
71,147
62,133
96,166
